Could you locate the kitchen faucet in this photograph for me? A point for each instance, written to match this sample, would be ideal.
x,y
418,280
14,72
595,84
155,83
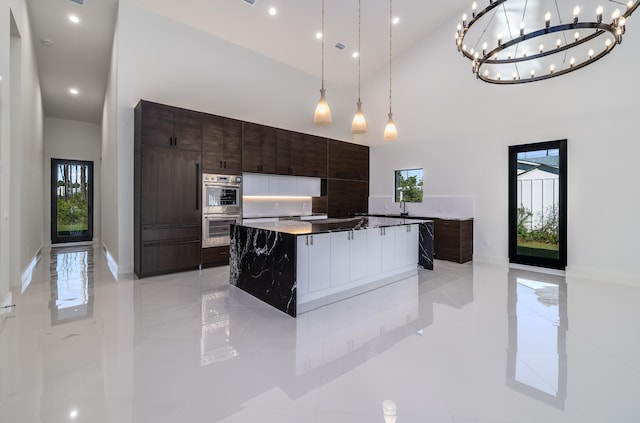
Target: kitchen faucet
x,y
403,206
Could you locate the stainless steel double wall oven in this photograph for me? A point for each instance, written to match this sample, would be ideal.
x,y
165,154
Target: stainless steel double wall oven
x,y
221,206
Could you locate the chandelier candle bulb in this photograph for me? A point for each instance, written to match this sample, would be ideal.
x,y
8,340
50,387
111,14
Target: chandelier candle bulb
x,y
499,39
558,43
576,11
572,62
484,48
474,8
515,76
464,20
547,20
576,36
541,48
590,53
552,68
533,73
607,43
521,28
599,11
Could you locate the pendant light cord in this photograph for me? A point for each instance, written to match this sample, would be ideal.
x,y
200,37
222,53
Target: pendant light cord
x,y
390,47
323,44
359,52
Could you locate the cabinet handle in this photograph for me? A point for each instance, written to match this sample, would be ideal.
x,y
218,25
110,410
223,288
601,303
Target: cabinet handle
x,y
198,186
221,164
306,240
311,239
225,164
170,140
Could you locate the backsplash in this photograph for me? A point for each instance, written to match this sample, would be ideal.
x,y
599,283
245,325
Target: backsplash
x,y
276,206
457,207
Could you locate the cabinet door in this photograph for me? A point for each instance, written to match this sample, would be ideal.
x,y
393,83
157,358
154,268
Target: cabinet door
x,y
374,251
315,156
253,185
319,262
164,257
268,150
340,257
347,160
358,255
388,248
251,154
170,186
283,152
345,198
302,265
212,142
157,124
406,245
188,130
232,147
297,154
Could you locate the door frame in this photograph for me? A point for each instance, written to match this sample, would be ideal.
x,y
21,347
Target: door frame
x,y
561,262
55,239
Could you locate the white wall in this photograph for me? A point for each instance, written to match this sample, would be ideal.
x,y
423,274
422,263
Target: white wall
x,y
21,148
67,139
458,129
161,60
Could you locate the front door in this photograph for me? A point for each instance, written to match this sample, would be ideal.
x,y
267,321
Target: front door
x,y
538,204
71,201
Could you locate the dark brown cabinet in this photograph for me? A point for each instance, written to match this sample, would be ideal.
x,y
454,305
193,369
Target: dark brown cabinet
x,y
347,160
286,157
221,145
346,198
167,210
170,126
453,240
215,256
258,148
315,157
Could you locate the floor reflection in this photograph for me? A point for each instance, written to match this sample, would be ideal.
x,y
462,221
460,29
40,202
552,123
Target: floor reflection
x,y
537,353
71,283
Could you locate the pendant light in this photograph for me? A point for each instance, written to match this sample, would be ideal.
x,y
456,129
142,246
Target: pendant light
x,y
390,131
359,123
322,116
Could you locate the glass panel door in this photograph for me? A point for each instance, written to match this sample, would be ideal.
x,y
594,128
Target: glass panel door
x,y
537,204
71,201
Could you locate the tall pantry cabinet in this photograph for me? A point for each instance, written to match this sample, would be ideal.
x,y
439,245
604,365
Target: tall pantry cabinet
x,y
167,204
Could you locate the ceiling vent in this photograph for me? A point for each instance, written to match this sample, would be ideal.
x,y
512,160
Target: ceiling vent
x,y
340,46
251,2
80,2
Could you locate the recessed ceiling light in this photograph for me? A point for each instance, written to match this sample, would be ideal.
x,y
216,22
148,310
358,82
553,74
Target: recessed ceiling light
x,y
318,35
74,18
355,54
396,20
273,11
74,91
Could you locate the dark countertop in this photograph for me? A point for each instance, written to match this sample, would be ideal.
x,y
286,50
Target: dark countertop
x,y
296,227
422,217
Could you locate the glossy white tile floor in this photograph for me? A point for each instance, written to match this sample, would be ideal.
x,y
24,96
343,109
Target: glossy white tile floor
x,y
464,343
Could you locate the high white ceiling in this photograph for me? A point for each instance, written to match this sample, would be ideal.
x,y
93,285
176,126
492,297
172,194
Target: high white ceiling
x,y
80,53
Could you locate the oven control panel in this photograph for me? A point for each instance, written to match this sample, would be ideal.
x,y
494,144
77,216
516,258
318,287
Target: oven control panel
x,y
221,179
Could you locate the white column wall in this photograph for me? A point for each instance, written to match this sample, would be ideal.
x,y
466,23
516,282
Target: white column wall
x,y
21,150
73,140
458,129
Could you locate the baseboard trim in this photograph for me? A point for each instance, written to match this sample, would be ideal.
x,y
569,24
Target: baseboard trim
x,y
498,261
111,263
27,275
573,273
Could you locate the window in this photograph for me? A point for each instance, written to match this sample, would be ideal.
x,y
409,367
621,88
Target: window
x,y
408,186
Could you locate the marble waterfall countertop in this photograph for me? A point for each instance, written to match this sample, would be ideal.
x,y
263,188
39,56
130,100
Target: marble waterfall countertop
x,y
297,227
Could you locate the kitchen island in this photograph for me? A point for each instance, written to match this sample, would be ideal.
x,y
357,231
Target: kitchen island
x,y
296,266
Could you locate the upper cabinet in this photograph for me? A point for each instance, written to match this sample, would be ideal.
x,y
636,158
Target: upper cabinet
x,y
315,157
221,145
347,161
258,148
171,126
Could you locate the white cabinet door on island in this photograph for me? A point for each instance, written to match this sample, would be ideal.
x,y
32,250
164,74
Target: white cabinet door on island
x,y
348,256
314,263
